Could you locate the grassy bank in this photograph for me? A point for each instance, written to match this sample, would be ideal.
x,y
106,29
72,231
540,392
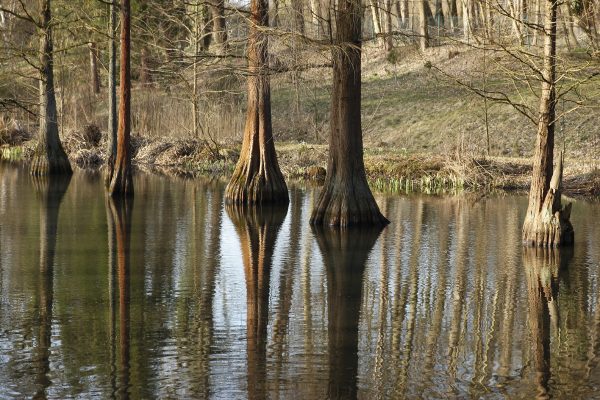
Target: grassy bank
x,y
388,168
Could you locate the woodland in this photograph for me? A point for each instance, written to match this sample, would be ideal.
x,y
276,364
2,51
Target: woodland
x,y
85,82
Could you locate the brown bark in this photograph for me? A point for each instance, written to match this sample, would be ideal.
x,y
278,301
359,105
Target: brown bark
x,y
112,95
94,74
345,253
50,157
219,30
346,198
122,181
257,177
257,229
145,75
547,223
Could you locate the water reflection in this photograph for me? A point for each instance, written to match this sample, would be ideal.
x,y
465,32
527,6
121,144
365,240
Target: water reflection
x,y
257,229
50,191
119,238
177,297
345,254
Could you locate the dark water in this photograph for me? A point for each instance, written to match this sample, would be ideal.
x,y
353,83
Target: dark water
x,y
175,296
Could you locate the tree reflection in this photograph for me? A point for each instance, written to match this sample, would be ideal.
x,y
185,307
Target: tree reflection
x,y
344,254
50,191
119,210
542,268
257,228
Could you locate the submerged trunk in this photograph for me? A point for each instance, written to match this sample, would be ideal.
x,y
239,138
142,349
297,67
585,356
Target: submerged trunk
x,y
50,157
111,150
547,223
346,198
122,183
257,177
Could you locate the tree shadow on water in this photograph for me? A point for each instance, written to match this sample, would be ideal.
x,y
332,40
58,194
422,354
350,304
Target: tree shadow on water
x,y
344,252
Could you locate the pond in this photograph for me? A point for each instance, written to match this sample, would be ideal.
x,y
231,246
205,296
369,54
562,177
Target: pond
x,y
176,296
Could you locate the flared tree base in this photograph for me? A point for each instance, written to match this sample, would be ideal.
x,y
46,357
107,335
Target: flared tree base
x,y
121,184
257,188
344,205
50,164
550,231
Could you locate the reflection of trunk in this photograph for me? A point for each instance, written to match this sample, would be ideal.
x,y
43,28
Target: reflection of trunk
x,y
122,183
546,222
257,229
50,157
257,177
51,191
120,212
346,198
542,269
94,74
112,94
286,281
344,254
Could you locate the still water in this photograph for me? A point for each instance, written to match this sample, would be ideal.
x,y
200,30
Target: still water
x,y
176,296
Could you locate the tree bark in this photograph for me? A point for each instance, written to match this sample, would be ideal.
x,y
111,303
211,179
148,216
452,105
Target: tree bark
x,y
298,10
219,30
547,223
257,177
94,74
122,181
50,157
346,198
423,31
111,149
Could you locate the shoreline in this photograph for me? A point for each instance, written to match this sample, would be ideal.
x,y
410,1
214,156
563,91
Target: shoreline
x,y
389,169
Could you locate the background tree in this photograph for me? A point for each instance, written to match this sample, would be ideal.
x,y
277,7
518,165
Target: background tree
x,y
50,157
346,198
122,181
257,177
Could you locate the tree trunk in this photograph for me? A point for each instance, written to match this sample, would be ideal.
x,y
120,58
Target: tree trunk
x,y
50,157
122,182
466,17
94,74
423,31
388,40
298,11
547,223
346,198
257,177
571,31
375,7
145,75
219,31
111,149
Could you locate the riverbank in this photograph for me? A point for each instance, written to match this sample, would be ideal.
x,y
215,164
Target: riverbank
x,y
389,168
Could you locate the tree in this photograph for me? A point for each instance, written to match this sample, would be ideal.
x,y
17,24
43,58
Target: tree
x,y
257,177
346,198
547,223
50,157
121,182
111,149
